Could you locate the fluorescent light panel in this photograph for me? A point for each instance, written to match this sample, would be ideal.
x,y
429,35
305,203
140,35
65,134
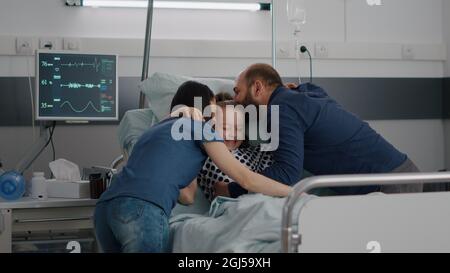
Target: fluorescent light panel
x,y
174,5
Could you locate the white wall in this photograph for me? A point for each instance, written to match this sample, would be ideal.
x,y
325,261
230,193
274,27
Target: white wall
x,y
422,140
396,21
331,21
446,31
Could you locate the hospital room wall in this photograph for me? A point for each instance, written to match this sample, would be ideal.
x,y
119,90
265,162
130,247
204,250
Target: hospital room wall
x,y
446,30
88,145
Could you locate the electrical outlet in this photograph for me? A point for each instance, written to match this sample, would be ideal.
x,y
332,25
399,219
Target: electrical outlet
x,y
72,44
47,43
321,50
73,2
408,52
283,52
24,46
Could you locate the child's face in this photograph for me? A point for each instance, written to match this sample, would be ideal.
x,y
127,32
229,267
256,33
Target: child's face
x,y
231,128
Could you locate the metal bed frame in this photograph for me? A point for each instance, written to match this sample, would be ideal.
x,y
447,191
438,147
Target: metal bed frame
x,y
292,238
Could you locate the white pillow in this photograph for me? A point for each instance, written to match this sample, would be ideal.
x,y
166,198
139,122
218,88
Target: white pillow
x,y
160,89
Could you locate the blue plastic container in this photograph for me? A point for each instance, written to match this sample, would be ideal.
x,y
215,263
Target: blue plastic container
x,y
12,186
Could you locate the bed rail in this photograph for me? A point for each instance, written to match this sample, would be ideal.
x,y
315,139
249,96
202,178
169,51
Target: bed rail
x,y
117,161
291,239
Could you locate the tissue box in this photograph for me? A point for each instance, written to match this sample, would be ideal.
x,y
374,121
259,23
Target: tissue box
x,y
68,189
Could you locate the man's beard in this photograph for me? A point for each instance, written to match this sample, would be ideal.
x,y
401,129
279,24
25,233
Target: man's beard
x,y
249,100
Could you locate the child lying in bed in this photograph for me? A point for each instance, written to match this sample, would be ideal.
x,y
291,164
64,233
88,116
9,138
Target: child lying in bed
x,y
253,158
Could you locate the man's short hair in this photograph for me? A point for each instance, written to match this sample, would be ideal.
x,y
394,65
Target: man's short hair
x,y
264,73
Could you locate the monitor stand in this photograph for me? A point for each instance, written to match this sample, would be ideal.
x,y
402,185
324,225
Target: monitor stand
x,y
36,149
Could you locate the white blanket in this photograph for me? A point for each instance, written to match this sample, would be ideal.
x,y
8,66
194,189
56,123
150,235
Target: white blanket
x,y
249,224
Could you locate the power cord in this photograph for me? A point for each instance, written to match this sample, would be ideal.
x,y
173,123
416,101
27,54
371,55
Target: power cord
x,y
33,126
53,145
304,49
51,130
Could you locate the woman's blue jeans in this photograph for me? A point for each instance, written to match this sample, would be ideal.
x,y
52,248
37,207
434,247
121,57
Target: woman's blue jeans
x,y
126,224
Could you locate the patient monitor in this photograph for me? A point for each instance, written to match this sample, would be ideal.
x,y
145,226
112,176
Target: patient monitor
x,y
72,87
76,87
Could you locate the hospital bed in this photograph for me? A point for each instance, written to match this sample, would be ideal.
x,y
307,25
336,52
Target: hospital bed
x,y
373,223
414,222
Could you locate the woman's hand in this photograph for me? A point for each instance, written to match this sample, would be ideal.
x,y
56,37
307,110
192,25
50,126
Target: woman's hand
x,y
291,85
188,112
221,189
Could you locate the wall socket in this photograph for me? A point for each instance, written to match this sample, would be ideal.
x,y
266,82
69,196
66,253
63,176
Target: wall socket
x,y
283,51
321,50
24,46
408,52
72,44
47,43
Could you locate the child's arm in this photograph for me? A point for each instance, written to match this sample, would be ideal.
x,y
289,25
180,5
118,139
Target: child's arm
x,y
187,195
249,180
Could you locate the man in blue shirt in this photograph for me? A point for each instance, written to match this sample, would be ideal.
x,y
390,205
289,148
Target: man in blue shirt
x,y
317,134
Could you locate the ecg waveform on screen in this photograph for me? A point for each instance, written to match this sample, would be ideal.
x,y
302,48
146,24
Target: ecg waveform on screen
x,y
105,65
94,65
83,109
75,85
80,64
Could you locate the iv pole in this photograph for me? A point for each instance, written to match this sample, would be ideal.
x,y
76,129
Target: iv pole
x,y
145,63
274,36
148,39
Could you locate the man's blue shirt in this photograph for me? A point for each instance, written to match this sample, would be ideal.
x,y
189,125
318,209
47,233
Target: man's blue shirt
x,y
319,135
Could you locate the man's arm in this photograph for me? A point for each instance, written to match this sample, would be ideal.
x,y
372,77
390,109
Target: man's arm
x,y
288,158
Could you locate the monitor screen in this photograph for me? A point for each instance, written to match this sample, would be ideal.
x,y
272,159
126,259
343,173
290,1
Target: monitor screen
x,y
76,86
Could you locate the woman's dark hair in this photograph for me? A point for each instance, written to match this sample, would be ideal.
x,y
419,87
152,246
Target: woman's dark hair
x,y
188,91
